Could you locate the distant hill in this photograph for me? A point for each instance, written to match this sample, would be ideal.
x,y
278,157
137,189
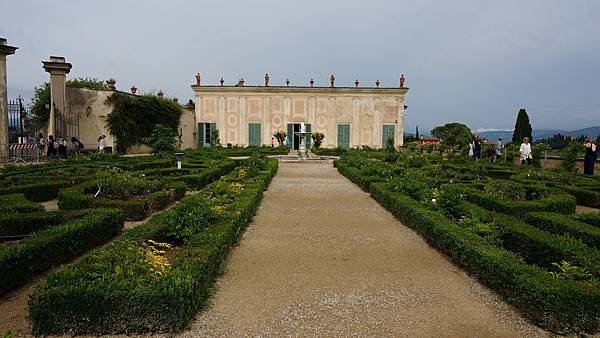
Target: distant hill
x,y
541,133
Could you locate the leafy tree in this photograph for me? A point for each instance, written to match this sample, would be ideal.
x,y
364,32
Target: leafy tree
x,y
417,136
570,155
522,127
317,139
453,135
190,105
409,138
40,103
162,140
134,117
280,136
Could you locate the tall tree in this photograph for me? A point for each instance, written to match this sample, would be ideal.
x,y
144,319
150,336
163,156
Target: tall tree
x,y
453,134
522,127
417,134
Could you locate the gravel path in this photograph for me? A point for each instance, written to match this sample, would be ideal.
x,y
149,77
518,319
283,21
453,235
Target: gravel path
x,y
323,259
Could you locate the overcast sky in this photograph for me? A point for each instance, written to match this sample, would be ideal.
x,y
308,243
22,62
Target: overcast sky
x,y
471,61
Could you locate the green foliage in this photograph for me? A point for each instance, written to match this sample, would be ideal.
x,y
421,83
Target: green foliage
x,y
453,135
41,98
134,117
163,140
317,139
570,154
505,189
522,128
566,270
280,136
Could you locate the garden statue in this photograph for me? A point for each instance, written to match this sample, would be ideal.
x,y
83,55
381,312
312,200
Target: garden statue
x,y
332,80
197,79
266,80
377,83
287,82
402,81
160,94
356,83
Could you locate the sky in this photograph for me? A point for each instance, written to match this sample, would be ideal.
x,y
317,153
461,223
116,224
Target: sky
x,y
470,61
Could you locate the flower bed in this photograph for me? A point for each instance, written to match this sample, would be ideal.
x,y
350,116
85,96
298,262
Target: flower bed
x,y
134,284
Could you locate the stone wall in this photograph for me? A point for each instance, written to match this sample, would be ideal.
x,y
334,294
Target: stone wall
x,y
366,110
89,105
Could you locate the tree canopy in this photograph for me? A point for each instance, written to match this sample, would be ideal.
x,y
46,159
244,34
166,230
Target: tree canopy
x,y
453,134
522,127
134,117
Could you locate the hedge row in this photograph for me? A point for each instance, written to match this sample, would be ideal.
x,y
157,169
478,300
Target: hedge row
x,y
99,295
559,305
592,218
584,196
564,225
56,245
18,224
37,192
17,203
560,203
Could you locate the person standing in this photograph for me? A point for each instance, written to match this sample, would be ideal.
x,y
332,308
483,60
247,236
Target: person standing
x,y
101,143
525,151
591,155
77,146
52,148
499,148
62,147
477,148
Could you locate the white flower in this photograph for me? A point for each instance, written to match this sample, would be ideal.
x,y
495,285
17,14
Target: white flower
x,y
433,200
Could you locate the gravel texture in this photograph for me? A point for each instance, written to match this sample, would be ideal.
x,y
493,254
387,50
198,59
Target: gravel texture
x,y
322,258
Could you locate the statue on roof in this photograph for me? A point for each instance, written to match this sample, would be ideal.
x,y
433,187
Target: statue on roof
x,y
267,80
402,81
197,79
332,80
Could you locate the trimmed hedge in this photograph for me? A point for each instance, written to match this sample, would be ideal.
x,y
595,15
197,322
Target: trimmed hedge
x,y
36,192
559,305
564,225
59,244
564,204
584,196
16,224
591,218
98,295
17,203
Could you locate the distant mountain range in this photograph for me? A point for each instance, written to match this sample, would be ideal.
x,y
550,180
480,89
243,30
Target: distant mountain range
x,y
537,133
540,133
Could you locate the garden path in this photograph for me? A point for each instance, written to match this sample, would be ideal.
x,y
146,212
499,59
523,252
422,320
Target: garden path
x,y
322,258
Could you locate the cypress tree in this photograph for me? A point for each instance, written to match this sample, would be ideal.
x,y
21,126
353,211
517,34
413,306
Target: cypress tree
x,y
522,127
417,134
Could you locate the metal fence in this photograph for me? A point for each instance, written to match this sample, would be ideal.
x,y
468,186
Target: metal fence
x,y
65,126
19,122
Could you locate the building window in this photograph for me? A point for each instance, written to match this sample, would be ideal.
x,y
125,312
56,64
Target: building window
x,y
343,136
254,135
387,133
204,130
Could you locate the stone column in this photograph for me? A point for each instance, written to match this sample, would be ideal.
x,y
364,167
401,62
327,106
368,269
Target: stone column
x,y
4,51
58,69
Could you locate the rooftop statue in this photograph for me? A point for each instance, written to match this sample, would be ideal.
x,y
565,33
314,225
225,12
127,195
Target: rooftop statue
x,y
402,81
197,79
266,80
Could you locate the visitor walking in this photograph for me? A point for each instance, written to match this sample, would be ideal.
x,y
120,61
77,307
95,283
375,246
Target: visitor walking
x,y
591,155
62,147
476,148
490,152
41,145
77,146
52,148
499,148
472,150
525,151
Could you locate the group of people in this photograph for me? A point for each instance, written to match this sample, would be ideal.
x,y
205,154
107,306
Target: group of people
x,y
493,152
56,149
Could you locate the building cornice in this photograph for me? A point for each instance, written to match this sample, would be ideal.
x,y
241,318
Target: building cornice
x,y
298,90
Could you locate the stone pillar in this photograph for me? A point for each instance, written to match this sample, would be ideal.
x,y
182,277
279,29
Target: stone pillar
x,y
58,69
4,51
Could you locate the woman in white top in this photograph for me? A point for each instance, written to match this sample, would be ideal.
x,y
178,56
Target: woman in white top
x,y
525,151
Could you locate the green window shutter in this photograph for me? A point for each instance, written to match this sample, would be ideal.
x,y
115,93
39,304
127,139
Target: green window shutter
x,y
343,139
388,132
308,138
200,134
290,135
254,138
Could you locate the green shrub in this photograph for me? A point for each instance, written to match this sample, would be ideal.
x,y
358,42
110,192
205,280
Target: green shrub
x,y
115,290
36,192
564,225
16,224
17,203
56,245
592,218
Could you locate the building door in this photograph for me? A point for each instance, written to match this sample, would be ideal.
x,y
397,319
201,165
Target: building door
x,y
343,136
254,135
293,140
204,130
388,132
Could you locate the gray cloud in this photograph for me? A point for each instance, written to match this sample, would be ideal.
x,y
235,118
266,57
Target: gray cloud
x,y
472,61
